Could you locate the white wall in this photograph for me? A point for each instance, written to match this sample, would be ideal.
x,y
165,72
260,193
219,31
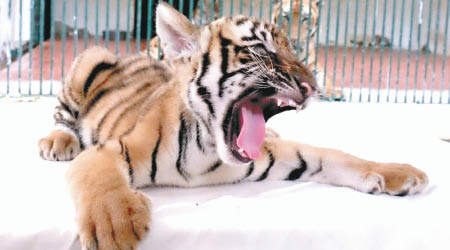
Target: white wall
x,y
91,14
419,17
10,29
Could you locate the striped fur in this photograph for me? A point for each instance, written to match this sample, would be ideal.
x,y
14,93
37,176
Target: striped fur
x,y
142,126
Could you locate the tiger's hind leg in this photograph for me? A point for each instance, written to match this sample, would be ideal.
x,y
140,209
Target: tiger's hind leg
x,y
88,70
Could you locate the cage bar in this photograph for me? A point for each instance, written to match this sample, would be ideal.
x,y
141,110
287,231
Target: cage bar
x,y
261,8
30,48
149,23
41,43
289,24
20,52
8,52
411,22
355,32
391,51
63,40
336,50
327,37
308,37
380,69
424,81
117,39
85,33
317,34
372,48
107,29
433,75
299,30
363,59
75,29
128,36
138,25
241,7
345,49
270,8
419,36
52,43
444,56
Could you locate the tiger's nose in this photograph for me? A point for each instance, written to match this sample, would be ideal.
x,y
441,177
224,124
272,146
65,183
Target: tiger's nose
x,y
307,89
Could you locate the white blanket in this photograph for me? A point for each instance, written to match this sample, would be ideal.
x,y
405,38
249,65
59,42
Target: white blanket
x,y
36,212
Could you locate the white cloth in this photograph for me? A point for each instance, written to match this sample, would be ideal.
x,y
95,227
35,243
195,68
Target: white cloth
x,y
36,212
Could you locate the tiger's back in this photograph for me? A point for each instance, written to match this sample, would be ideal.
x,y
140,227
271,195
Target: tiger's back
x,y
105,94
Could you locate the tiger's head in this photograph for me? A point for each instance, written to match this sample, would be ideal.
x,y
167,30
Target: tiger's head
x,y
235,73
300,14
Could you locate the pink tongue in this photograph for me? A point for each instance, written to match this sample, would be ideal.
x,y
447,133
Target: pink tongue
x,y
253,130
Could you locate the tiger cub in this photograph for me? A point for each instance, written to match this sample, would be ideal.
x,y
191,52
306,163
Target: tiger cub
x,y
138,125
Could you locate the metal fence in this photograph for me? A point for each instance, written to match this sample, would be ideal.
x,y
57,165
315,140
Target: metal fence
x,y
360,50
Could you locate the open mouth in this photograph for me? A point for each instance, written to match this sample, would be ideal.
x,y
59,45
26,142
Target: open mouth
x,y
246,129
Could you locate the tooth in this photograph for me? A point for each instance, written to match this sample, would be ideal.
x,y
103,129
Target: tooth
x,y
241,150
279,102
299,107
292,103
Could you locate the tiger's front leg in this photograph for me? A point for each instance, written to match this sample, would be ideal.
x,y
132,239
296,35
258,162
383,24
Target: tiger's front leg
x,y
292,161
110,215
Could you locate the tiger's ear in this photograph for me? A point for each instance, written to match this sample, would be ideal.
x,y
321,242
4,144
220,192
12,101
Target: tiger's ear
x,y
179,37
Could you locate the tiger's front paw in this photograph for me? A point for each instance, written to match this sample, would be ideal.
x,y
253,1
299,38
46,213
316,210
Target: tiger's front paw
x,y
118,219
59,146
396,179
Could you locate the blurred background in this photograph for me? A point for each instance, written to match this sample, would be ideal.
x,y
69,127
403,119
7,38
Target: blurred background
x,y
360,50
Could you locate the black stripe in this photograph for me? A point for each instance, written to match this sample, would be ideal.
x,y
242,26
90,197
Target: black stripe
x,y
204,68
99,95
130,168
264,35
298,172
318,169
241,21
250,170
154,154
119,104
197,113
266,172
94,139
128,108
65,106
206,94
224,42
251,38
181,147
97,69
77,133
199,142
70,125
213,167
